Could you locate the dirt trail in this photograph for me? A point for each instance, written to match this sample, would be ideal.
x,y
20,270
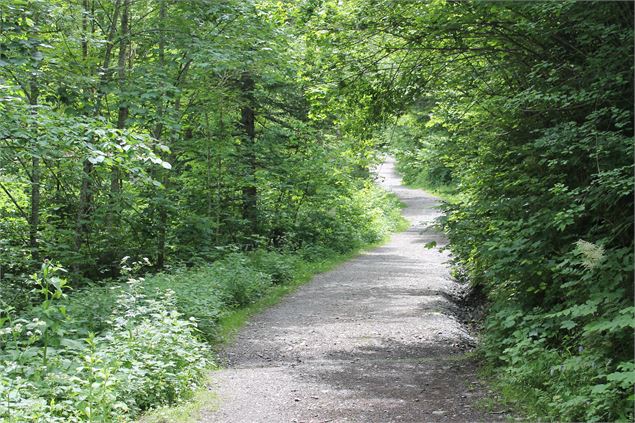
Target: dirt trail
x,y
375,340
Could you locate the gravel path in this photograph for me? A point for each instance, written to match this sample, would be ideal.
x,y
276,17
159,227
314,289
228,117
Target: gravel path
x,y
375,340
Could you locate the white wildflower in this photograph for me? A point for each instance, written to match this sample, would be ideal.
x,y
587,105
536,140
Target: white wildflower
x,y
592,254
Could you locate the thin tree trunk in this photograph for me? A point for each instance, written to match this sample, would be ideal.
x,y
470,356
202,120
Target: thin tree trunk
x,y
85,204
122,116
219,172
85,29
249,191
163,210
158,132
208,162
34,219
219,195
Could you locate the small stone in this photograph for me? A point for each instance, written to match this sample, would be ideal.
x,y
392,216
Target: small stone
x,y
296,399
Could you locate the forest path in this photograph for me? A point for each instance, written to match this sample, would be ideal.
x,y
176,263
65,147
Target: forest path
x,y
375,340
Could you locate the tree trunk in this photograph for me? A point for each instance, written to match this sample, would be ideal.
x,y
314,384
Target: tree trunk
x,y
219,171
85,29
208,166
85,194
85,204
249,191
158,132
34,218
122,116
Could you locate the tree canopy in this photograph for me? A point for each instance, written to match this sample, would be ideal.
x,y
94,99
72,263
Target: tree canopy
x,y
181,133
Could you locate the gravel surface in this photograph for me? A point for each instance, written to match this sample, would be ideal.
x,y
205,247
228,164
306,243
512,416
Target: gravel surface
x,y
375,340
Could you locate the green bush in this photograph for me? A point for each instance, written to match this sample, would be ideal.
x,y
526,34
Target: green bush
x,y
315,253
581,383
239,283
148,356
197,295
107,353
205,293
367,215
280,267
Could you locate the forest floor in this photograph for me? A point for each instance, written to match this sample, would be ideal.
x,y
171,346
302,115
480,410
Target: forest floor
x,y
378,339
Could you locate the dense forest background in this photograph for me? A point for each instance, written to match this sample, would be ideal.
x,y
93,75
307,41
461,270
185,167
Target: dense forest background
x,y
231,142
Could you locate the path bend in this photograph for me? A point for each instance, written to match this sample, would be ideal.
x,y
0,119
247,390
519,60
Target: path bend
x,y
374,340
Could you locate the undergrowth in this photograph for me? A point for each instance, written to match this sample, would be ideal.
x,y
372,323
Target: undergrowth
x,y
112,352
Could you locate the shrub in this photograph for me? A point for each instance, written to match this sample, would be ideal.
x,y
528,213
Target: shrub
x,y
280,267
239,284
149,356
367,215
207,293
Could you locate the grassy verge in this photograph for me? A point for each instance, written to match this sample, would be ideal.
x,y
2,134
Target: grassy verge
x,y
185,412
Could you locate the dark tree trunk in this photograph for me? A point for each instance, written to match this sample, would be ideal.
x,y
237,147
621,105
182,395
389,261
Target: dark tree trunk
x,y
34,218
248,124
85,204
158,133
86,190
115,177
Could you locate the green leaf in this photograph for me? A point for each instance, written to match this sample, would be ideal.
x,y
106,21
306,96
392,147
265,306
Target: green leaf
x,y
600,389
568,324
72,344
96,159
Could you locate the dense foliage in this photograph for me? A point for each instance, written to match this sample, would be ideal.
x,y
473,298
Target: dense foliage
x,y
54,370
235,138
159,129
527,108
422,153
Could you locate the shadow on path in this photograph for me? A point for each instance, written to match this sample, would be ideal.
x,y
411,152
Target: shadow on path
x,y
374,340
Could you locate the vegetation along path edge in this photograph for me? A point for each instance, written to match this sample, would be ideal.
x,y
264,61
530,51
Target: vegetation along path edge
x,y
374,340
